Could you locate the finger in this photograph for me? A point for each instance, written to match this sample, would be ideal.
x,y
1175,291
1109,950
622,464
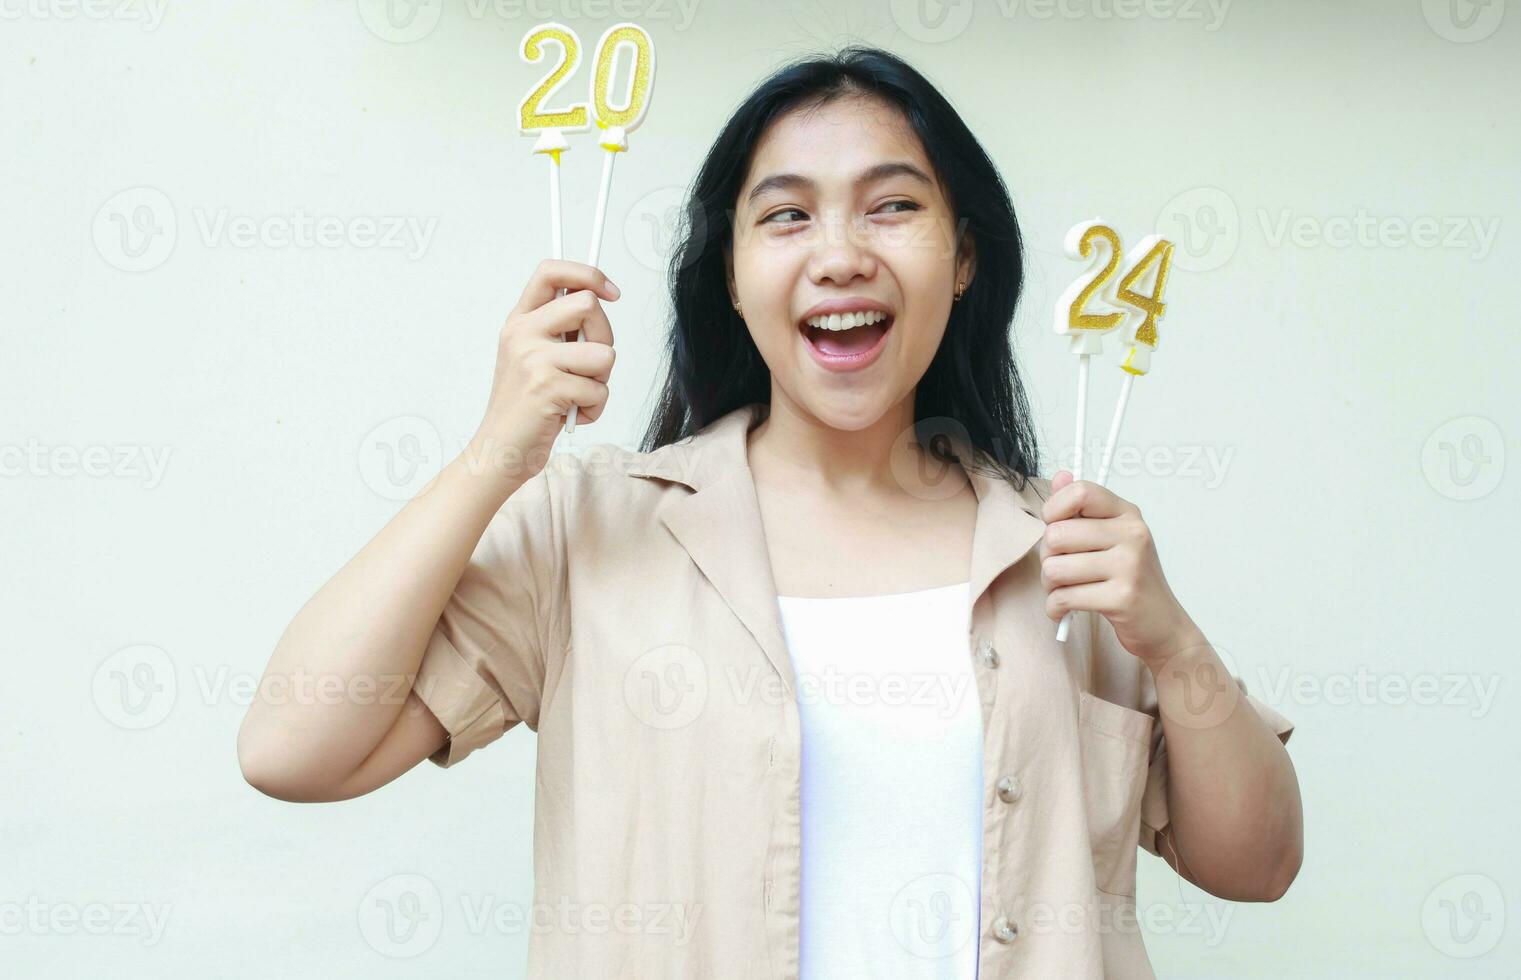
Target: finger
x,y
1082,498
1075,535
554,274
581,310
1090,597
588,395
1061,479
1058,571
587,359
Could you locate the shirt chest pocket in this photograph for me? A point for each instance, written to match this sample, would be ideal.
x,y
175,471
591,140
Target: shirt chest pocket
x,y
1116,745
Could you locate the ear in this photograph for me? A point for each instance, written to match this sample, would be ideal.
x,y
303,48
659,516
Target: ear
x,y
729,275
966,258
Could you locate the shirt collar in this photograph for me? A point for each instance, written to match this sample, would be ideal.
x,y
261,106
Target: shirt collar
x,y
719,524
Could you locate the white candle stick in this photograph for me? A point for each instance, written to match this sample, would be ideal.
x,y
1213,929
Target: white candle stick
x,y
1082,414
1114,429
556,235
1065,625
613,136
616,120
552,143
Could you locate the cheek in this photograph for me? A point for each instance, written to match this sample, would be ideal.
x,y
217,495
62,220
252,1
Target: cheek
x,y
764,273
926,293
769,276
925,273
921,343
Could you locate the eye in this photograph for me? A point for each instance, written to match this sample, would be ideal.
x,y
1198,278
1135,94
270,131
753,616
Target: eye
x,y
767,218
907,206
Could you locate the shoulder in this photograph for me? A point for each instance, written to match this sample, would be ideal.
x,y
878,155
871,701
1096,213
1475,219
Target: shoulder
x,y
582,497
608,477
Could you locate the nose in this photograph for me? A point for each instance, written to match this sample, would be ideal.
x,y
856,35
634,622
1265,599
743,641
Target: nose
x,y
841,255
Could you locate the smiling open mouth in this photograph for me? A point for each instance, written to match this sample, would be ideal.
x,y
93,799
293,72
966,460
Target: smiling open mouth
x,y
849,335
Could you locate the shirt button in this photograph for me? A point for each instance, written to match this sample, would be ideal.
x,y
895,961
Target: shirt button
x,y
1004,930
987,654
1009,789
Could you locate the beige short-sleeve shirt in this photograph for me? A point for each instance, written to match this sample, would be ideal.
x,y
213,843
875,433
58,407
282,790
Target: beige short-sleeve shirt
x,y
621,604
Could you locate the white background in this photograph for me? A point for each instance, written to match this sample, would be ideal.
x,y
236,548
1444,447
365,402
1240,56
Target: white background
x,y
1353,387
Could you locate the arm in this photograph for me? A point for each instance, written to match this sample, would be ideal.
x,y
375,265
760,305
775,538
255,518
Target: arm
x,y
363,636
1236,823
328,721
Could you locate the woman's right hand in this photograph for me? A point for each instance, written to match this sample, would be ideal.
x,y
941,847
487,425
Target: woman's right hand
x,y
538,377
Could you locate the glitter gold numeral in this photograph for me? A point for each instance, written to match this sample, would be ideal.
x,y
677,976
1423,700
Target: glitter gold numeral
x,y
530,117
1077,319
1160,258
636,95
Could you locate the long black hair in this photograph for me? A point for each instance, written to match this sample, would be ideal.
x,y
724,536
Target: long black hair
x,y
972,387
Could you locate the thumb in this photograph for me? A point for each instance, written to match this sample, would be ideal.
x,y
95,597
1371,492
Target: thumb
x,y
1061,479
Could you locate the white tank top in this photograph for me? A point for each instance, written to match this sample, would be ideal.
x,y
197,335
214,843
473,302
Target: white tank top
x,y
891,785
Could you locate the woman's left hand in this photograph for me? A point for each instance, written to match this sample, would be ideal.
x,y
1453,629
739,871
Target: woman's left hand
x,y
1097,555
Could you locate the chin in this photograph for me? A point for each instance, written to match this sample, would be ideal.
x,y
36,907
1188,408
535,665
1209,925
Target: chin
x,y
848,411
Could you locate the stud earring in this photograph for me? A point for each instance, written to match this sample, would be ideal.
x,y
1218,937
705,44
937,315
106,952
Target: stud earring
x,y
739,311
960,288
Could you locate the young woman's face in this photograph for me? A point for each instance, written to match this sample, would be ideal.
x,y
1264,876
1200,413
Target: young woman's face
x,y
841,212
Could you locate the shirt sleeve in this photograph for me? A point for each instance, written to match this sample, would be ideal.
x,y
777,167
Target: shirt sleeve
x,y
484,667
1141,686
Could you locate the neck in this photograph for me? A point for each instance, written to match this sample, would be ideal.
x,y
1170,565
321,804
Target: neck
x,y
879,456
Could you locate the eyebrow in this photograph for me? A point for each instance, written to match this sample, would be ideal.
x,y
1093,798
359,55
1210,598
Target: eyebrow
x,y
880,171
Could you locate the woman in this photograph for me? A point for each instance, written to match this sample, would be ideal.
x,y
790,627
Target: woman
x,y
800,707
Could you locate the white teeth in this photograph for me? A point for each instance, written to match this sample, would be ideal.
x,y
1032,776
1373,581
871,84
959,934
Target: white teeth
x,y
846,321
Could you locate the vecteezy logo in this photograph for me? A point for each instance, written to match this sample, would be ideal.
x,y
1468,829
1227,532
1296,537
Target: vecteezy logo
x,y
135,230
1464,916
1463,21
1205,225
135,687
651,228
1208,694
667,686
399,456
401,21
934,915
1464,458
401,916
923,474
932,21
